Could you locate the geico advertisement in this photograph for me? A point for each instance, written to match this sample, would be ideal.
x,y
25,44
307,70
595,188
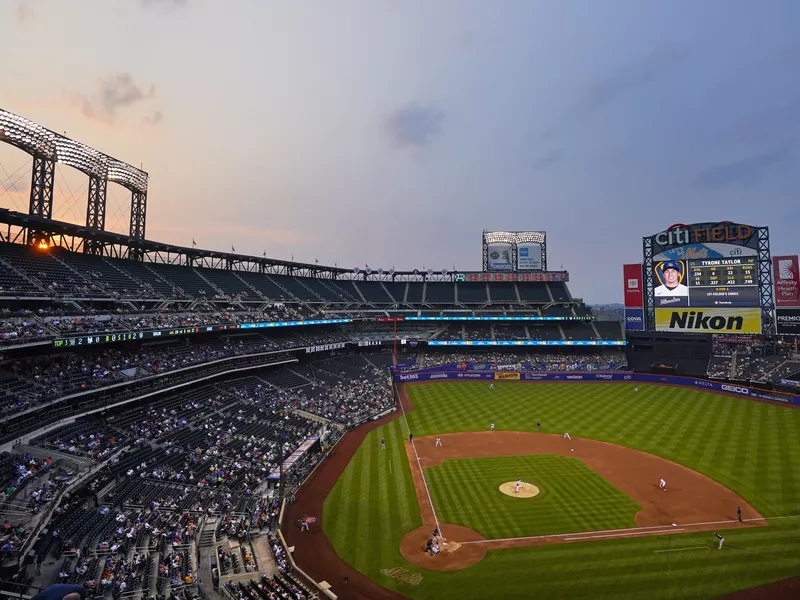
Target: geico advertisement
x,y
741,320
506,375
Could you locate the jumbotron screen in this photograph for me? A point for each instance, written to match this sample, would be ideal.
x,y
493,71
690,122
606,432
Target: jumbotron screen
x,y
706,283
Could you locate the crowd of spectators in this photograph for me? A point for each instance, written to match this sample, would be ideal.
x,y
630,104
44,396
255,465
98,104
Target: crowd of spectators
x,y
758,360
183,458
549,361
25,327
44,378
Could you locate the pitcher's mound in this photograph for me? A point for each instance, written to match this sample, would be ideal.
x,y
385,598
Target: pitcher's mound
x,y
453,554
528,490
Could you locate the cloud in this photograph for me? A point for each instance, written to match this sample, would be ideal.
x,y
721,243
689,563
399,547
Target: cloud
x,y
154,118
547,160
748,171
628,77
414,125
768,122
111,94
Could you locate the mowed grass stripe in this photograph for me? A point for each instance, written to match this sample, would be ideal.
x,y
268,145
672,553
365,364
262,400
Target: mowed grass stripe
x,y
573,497
753,448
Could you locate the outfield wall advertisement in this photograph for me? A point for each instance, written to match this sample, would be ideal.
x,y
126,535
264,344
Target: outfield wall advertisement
x,y
633,285
634,319
786,276
787,321
734,320
629,377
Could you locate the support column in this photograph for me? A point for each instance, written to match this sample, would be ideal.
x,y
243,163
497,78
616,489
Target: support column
x,y
138,214
96,211
41,199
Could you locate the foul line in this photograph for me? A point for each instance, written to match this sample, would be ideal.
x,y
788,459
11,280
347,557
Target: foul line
x,y
652,529
419,464
613,535
682,549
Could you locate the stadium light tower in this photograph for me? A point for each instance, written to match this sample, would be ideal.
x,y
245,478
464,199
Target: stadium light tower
x,y
40,144
48,148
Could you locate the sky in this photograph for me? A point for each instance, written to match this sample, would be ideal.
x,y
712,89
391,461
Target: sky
x,y
392,133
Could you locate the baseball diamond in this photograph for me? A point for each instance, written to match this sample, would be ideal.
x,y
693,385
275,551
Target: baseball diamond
x,y
600,503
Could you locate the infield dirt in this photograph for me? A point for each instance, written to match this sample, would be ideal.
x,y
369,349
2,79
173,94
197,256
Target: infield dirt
x,y
690,498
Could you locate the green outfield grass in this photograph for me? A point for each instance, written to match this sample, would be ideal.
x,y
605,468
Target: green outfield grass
x,y
753,448
572,496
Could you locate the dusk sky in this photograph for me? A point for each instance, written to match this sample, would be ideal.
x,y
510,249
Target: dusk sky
x,y
393,132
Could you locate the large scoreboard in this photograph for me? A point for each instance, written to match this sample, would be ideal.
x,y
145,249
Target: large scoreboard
x,y
706,277
702,283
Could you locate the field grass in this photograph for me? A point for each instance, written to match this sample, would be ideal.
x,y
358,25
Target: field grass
x,y
572,497
752,448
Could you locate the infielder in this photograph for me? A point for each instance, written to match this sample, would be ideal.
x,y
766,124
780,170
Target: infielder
x,y
662,484
438,442
518,486
721,540
566,436
491,427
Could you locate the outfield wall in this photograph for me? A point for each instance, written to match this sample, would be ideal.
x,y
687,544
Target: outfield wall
x,y
714,386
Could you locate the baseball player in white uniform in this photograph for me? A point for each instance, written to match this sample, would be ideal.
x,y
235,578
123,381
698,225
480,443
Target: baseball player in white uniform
x,y
491,386
491,427
518,486
566,435
721,540
662,484
438,442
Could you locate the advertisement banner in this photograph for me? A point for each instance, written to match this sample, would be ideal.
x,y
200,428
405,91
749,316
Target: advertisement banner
x,y
787,321
633,286
716,386
506,375
634,319
499,257
709,320
529,257
787,280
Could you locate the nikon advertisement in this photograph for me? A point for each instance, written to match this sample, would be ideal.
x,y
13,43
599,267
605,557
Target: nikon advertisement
x,y
709,320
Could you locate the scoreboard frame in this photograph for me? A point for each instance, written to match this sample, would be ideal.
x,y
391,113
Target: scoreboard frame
x,y
690,240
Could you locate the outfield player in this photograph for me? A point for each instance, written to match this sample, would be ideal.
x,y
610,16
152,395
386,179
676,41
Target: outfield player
x,y
662,484
518,486
383,444
438,442
635,389
566,436
538,426
491,427
491,386
721,540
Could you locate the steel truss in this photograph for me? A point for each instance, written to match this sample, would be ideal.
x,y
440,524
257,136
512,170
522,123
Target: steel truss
x,y
765,281
41,199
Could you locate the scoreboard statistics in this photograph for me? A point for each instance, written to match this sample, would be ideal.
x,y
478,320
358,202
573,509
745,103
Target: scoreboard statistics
x,y
710,283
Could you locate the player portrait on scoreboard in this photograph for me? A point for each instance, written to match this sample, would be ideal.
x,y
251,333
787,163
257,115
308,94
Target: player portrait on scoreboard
x,y
671,274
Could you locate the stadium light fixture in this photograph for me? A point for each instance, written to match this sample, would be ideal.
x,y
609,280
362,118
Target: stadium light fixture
x,y
26,135
127,175
81,157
